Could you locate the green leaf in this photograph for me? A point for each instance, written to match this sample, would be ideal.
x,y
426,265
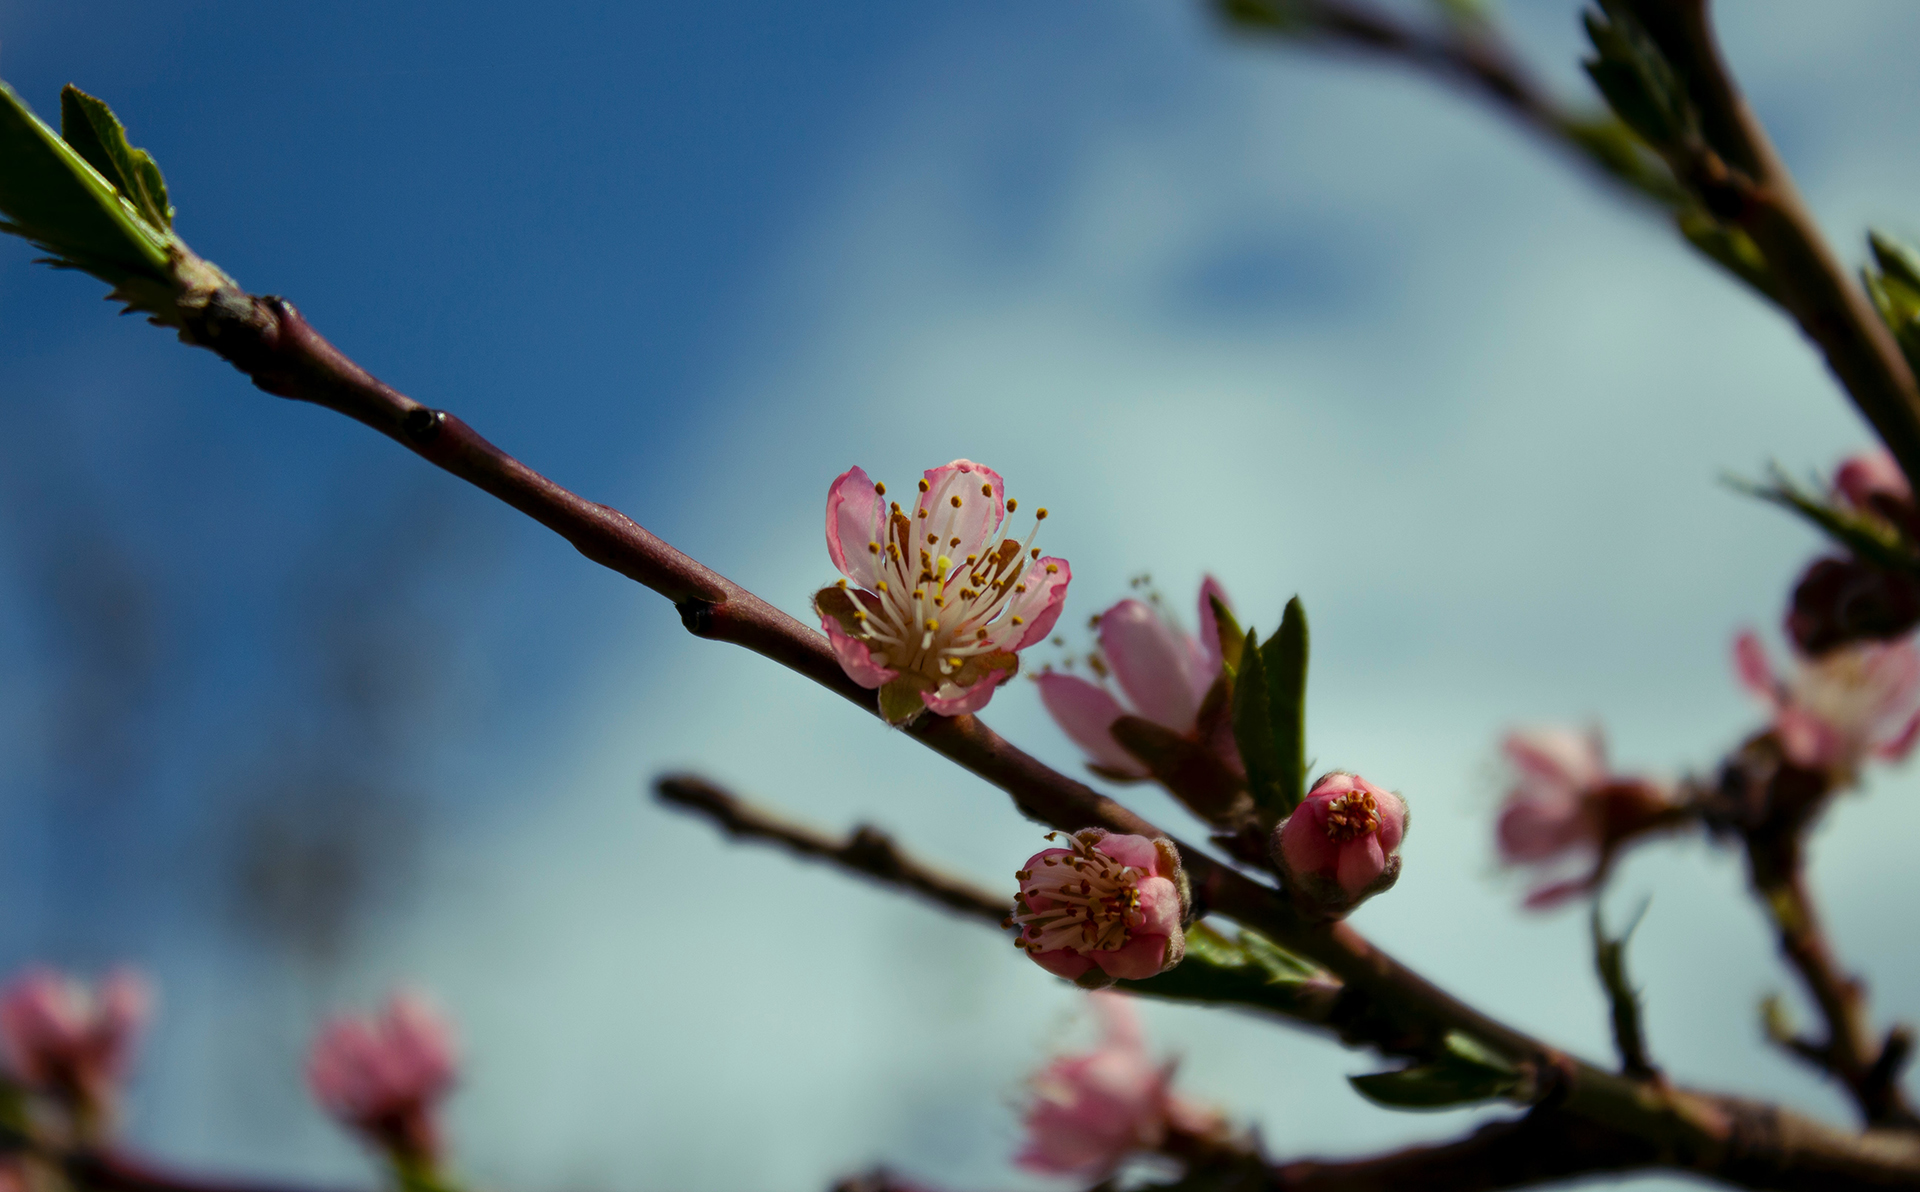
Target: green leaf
x,y
1895,290
1253,731
1249,971
1636,79
1284,660
1465,1072
1728,245
1871,538
51,195
96,134
1227,628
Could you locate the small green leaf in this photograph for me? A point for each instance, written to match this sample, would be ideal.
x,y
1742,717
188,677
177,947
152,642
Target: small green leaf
x,y
1248,970
1253,731
1227,628
1466,1072
96,134
51,195
1871,538
1636,79
1284,659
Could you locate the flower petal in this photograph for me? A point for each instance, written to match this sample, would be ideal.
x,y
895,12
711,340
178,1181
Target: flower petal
x,y
1870,474
1756,673
1039,606
856,518
1063,962
855,658
1361,861
1138,958
1159,907
1153,664
982,498
1557,756
956,701
1304,844
1086,712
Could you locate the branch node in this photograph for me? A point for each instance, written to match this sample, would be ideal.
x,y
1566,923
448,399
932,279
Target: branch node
x,y
422,425
697,616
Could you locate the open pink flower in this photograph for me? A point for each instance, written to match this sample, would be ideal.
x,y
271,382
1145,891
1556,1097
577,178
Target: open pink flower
x,y
1164,673
1109,906
384,1075
1835,711
1567,809
65,1037
935,605
1341,845
1092,1110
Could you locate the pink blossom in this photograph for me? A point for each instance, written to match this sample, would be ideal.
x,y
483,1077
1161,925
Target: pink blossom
x,y
1090,1111
1164,673
383,1075
935,606
1567,805
1835,711
1872,482
1341,845
1109,906
63,1036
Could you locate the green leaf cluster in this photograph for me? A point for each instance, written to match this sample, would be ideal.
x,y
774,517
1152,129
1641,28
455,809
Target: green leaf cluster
x,y
1893,280
1270,707
1870,538
1466,1071
1639,84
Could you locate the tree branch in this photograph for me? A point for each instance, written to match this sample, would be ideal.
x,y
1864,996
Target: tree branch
x,y
268,340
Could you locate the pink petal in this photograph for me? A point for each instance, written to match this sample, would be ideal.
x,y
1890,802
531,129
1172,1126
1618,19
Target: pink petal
x,y
1560,756
1304,843
855,658
978,517
1535,828
1086,712
1159,907
1871,474
1210,627
1392,810
1152,663
1129,849
1558,892
1756,673
1361,861
856,516
1810,741
1063,962
965,699
1902,744
1138,958
1039,606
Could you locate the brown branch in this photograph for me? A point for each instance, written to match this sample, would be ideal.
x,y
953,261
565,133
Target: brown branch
x,y
268,340
868,851
1741,178
1770,805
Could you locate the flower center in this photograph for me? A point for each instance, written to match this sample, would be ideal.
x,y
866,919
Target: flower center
x,y
1351,816
1084,901
945,589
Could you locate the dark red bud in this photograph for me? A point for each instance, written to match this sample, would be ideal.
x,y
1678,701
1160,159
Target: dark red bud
x,y
1839,601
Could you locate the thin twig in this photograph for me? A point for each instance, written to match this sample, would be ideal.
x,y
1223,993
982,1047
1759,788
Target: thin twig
x,y
868,851
267,339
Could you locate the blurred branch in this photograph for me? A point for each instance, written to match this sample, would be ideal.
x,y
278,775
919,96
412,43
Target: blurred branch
x,y
869,851
1610,959
1771,804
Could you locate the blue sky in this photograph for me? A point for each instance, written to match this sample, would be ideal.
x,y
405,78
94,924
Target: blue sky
x,y
1306,325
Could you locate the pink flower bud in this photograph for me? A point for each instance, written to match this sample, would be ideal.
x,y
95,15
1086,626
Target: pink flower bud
x,y
1873,483
1108,907
1567,806
64,1037
1835,711
1341,845
939,605
1163,672
1090,1111
1839,601
384,1075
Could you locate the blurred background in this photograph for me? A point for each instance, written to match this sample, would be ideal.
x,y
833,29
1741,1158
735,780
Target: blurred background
x,y
287,717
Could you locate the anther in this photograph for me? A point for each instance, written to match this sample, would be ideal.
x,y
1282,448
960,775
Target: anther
x,y
880,487
1019,620
1053,569
986,490
933,626
953,542
1040,514
956,502
922,512
924,486
1012,504
842,585
873,548
1036,552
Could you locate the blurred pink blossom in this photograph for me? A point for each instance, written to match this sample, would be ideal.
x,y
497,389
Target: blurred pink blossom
x,y
385,1074
1567,805
1835,711
1872,482
1164,673
1109,906
1342,843
1090,1111
939,605
62,1036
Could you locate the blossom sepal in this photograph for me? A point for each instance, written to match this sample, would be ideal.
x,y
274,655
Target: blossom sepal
x,y
1269,714
1109,906
1341,846
1464,1073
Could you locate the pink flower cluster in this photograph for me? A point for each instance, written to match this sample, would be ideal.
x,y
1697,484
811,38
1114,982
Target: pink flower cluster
x,y
1342,844
935,606
1833,712
384,1075
1109,906
1163,672
1091,1111
1567,808
73,1040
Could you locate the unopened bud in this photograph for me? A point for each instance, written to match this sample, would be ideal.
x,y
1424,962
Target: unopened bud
x,y
384,1076
73,1040
1341,846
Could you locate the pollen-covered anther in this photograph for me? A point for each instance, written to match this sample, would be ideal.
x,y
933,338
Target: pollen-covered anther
x,y
1351,816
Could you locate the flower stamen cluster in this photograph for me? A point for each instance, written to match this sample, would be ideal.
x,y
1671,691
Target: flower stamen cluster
x,y
1087,896
1107,906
